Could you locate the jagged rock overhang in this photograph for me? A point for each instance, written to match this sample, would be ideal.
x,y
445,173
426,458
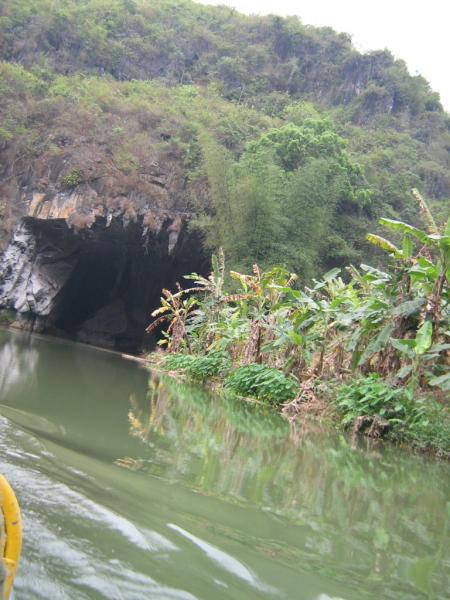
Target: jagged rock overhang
x,y
99,284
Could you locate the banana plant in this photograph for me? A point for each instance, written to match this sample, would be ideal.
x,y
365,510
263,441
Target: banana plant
x,y
427,271
174,310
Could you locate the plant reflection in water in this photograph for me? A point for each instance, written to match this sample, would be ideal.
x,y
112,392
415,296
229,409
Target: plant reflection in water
x,y
351,512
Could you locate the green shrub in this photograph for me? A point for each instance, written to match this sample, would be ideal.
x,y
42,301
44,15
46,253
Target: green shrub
x,y
423,422
370,396
426,426
177,362
72,179
213,364
199,367
264,383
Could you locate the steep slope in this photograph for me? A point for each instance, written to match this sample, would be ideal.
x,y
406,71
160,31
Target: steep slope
x,y
262,62
182,42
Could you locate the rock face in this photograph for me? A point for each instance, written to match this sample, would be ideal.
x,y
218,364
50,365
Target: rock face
x,y
87,246
34,269
97,284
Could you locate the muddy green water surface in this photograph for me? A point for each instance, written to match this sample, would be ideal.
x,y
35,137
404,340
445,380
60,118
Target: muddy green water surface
x,y
132,487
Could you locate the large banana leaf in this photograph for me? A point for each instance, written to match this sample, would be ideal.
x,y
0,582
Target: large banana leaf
x,y
377,343
408,230
384,244
424,337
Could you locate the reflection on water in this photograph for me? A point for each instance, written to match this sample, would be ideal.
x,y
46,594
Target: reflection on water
x,y
138,487
375,516
16,364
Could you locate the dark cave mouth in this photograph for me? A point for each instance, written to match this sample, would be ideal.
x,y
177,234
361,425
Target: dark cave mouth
x,y
111,277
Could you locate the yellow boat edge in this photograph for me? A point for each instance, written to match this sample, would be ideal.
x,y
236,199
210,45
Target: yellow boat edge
x,y
13,534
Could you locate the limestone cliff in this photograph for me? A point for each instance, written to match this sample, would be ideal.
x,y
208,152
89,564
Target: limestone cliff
x,y
87,248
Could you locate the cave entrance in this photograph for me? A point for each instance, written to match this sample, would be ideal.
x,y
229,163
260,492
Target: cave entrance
x,y
113,276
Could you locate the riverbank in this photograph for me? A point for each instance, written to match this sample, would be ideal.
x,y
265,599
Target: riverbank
x,y
372,344
365,407
424,427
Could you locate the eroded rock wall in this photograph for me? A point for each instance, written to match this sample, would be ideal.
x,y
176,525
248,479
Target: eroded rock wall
x,y
97,284
35,266
87,244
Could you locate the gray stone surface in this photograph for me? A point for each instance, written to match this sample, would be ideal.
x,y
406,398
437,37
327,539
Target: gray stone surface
x,y
97,285
31,275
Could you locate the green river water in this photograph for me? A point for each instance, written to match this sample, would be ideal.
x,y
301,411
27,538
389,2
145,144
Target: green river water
x,y
132,488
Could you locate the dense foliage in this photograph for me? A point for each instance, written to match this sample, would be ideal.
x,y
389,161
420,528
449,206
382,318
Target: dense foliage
x,y
388,328
286,199
200,368
262,382
286,142
183,42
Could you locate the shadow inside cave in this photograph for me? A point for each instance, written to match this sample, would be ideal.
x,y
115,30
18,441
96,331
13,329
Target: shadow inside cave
x,y
107,279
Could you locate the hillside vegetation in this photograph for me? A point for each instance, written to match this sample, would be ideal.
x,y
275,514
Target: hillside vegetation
x,y
286,142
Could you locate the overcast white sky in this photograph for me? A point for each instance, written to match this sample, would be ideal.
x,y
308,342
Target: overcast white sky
x,y
416,31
